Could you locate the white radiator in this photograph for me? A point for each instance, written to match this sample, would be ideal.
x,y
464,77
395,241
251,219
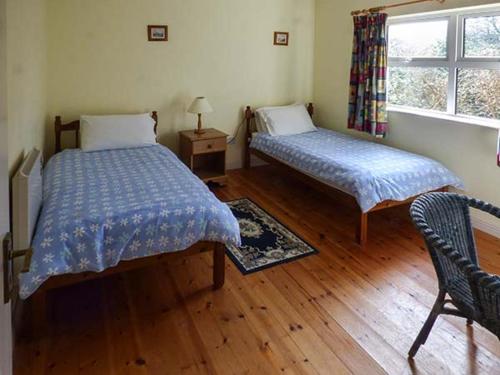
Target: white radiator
x,y
26,199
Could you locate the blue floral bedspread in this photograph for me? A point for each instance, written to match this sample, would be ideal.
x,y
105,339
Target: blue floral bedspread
x,y
368,171
100,208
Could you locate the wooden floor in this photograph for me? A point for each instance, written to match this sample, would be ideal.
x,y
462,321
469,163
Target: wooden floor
x,y
342,311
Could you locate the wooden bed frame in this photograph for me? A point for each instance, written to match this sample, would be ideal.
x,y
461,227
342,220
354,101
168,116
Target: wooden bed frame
x,y
362,229
40,307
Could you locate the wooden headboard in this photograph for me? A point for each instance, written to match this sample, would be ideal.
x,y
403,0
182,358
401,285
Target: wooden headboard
x,y
59,128
250,129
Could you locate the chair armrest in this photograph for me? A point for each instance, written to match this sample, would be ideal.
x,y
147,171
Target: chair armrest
x,y
484,206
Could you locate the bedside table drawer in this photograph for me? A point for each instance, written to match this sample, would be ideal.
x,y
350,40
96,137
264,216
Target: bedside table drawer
x,y
209,145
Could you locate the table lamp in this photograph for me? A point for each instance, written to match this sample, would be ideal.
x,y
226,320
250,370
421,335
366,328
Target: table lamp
x,y
199,106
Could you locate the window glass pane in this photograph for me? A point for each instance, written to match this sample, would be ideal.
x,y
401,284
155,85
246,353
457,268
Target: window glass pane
x,y
424,88
418,39
478,93
482,36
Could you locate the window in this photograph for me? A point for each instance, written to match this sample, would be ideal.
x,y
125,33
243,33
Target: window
x,y
446,63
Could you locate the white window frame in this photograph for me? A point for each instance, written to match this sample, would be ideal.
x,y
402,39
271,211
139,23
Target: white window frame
x,y
454,61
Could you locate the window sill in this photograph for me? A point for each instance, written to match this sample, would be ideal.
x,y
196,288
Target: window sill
x,y
495,124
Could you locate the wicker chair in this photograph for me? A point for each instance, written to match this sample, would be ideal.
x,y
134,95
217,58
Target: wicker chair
x,y
444,221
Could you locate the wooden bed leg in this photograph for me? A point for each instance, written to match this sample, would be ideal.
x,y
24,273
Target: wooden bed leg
x,y
248,137
247,161
219,265
362,234
39,314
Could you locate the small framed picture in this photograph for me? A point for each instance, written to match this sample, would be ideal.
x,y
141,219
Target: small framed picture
x,y
157,33
281,38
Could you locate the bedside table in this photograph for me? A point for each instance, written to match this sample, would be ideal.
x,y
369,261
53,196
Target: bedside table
x,y
205,154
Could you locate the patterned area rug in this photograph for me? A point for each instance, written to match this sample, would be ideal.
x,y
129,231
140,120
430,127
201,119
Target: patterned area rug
x,y
265,242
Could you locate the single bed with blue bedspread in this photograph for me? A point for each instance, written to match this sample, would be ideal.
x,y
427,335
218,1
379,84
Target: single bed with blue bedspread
x,y
377,176
101,208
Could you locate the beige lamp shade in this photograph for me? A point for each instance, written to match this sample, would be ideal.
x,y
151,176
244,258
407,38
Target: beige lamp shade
x,y
200,105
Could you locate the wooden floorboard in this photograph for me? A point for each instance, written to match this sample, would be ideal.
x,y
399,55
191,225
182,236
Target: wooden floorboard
x,y
343,311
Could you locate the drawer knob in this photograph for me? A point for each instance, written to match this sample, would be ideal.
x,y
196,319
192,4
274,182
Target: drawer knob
x,y
209,146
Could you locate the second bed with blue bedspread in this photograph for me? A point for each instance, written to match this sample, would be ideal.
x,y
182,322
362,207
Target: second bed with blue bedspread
x,y
100,208
368,171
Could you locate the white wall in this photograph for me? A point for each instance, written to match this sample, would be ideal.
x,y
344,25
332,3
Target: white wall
x,y
101,62
26,77
468,150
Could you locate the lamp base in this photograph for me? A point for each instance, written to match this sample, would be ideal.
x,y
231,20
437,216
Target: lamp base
x,y
199,131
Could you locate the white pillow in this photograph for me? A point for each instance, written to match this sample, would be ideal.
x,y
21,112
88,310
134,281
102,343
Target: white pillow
x,y
287,120
117,131
260,123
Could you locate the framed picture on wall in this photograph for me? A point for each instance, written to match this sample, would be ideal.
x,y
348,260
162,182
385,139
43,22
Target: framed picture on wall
x,y
157,33
281,38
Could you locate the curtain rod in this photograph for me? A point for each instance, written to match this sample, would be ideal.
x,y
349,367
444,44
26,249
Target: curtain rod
x,y
384,7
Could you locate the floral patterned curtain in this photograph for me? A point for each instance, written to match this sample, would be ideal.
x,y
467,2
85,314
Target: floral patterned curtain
x,y
367,99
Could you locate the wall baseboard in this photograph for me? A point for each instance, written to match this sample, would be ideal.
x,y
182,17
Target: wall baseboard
x,y
239,164
485,226
234,165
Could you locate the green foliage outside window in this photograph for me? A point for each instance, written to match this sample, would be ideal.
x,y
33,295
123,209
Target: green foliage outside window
x,y
478,90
